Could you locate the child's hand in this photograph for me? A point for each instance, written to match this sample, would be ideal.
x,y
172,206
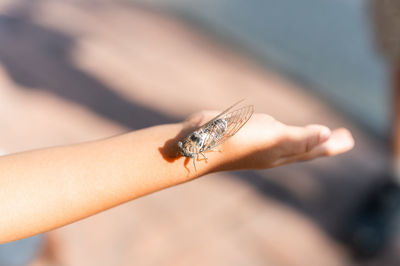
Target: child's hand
x,y
265,142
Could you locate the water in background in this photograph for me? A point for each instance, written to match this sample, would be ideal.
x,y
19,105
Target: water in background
x,y
21,252
329,44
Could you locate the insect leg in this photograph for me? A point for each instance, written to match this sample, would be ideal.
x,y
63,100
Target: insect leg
x,y
205,157
194,164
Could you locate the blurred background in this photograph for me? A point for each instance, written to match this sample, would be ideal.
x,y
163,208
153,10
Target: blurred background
x,y
79,70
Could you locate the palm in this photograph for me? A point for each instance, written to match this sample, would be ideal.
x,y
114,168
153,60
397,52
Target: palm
x,y
265,142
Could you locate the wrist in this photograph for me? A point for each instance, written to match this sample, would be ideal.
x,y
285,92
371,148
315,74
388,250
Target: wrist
x,y
170,152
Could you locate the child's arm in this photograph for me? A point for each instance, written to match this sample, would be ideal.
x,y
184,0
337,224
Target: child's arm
x,y
45,189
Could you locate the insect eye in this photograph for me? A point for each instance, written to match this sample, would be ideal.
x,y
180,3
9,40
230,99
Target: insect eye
x,y
193,138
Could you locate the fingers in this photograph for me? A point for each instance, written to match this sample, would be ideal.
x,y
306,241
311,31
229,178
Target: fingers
x,y
315,135
340,141
315,141
304,139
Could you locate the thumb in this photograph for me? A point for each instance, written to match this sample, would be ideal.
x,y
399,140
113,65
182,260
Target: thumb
x,y
340,141
315,141
315,135
304,139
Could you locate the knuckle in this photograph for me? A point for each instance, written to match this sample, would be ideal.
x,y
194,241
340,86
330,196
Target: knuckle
x,y
310,143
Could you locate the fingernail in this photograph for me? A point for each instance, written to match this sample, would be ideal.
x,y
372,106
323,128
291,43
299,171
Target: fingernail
x,y
324,134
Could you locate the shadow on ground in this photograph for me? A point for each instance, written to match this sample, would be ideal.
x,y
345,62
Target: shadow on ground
x,y
36,57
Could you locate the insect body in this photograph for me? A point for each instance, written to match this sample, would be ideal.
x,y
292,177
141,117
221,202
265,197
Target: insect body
x,y
214,132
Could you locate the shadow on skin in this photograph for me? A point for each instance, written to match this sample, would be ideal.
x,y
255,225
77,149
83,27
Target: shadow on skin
x,y
170,151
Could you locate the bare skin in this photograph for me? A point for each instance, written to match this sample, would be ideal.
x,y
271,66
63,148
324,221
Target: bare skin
x,y
45,189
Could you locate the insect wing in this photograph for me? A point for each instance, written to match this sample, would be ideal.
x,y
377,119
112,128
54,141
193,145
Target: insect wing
x,y
235,120
207,124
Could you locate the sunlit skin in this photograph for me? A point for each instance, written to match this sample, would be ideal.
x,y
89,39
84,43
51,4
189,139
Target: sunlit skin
x,y
45,189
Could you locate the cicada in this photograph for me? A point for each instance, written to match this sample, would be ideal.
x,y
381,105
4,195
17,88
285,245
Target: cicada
x,y
214,132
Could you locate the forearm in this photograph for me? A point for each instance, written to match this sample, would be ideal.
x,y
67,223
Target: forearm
x,y
46,189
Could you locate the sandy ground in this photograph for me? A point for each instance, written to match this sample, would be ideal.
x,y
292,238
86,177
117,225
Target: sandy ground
x,y
73,71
